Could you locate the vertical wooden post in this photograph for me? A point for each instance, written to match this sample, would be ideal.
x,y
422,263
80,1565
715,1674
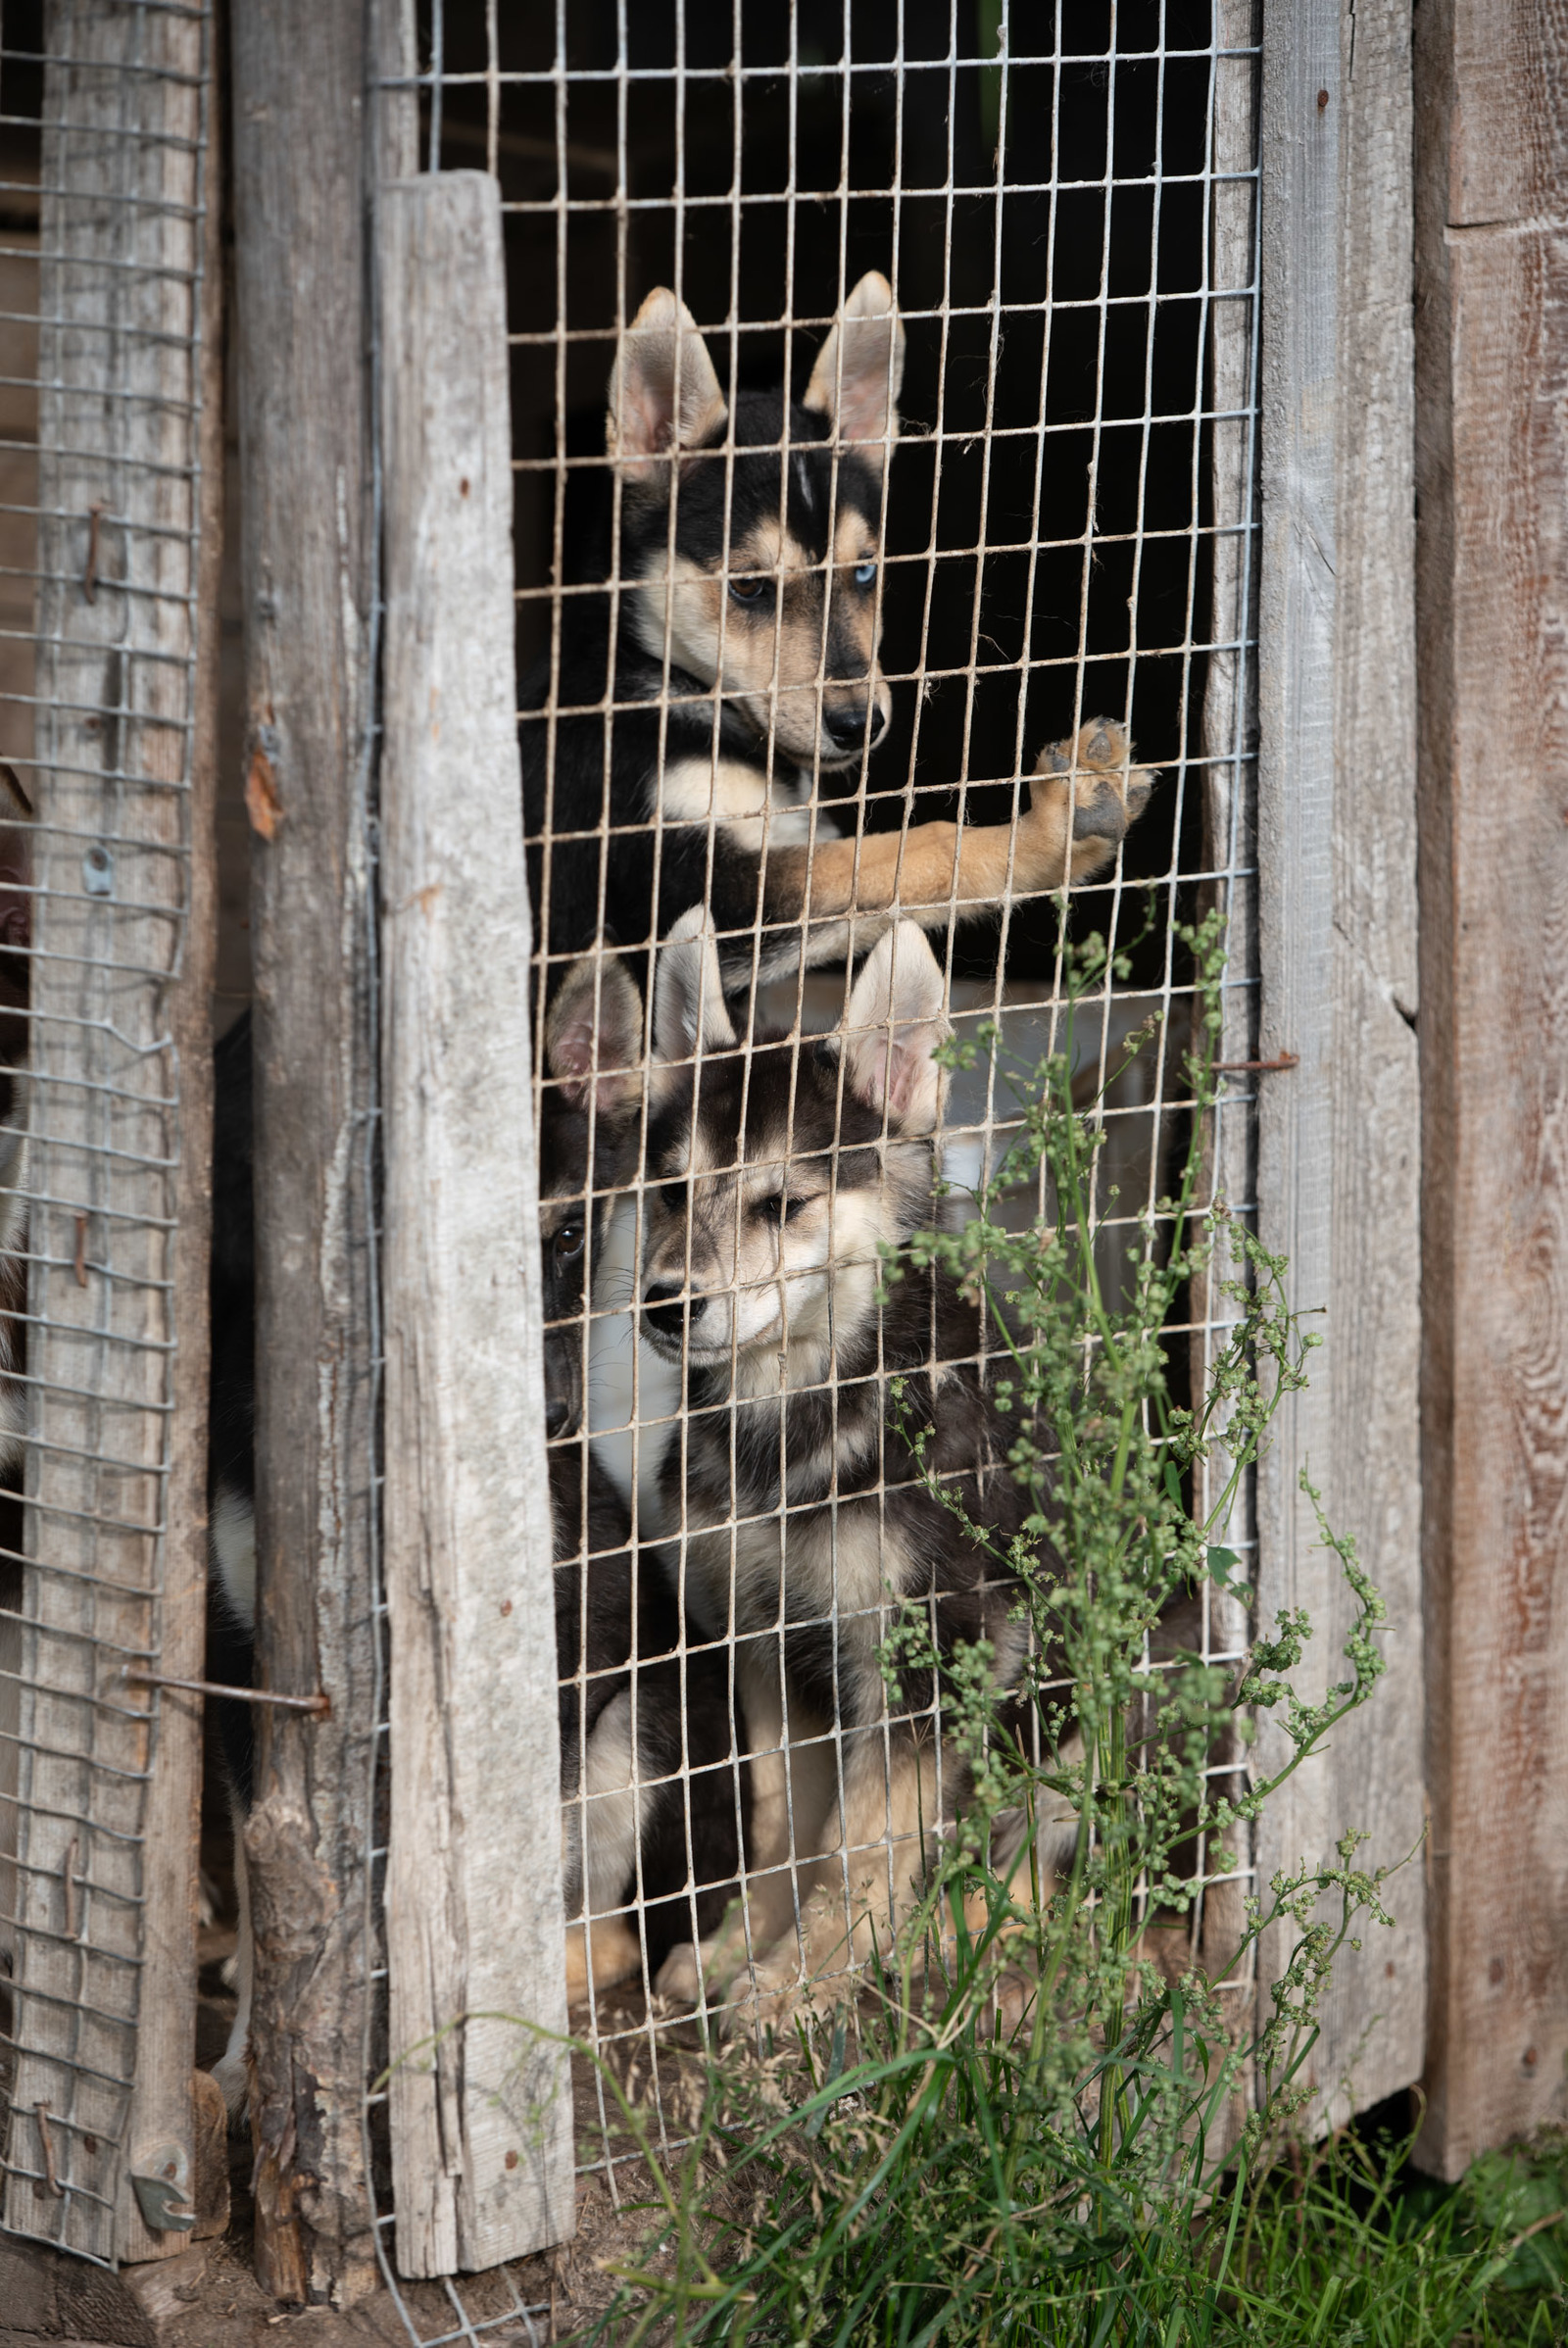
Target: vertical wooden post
x,y
1338,1173
166,2042
301,186
105,1958
1492,312
481,2119
1375,2015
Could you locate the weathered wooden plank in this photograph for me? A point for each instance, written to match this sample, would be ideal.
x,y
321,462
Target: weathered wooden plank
x,y
1375,2014
165,2036
118,371
1337,1153
482,2122
1492,475
301,180
1299,221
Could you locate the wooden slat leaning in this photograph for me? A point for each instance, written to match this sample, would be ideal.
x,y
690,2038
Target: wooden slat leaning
x,y
480,2100
1338,1132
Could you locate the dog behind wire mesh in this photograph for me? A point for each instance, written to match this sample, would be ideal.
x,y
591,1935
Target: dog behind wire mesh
x,y
676,739
779,1170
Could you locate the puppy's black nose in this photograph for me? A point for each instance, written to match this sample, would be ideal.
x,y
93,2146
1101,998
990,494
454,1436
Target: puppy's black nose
x,y
845,724
665,1313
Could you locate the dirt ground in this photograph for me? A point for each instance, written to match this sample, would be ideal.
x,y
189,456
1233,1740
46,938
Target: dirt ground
x,y
209,2298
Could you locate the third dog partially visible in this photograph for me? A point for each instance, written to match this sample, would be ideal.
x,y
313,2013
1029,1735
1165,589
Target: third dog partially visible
x,y
653,1789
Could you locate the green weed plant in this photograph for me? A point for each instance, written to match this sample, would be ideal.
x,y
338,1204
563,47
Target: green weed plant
x,y
1024,2129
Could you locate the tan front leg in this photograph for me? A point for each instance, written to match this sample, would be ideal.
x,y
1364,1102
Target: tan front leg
x,y
869,1878
609,1952
1082,797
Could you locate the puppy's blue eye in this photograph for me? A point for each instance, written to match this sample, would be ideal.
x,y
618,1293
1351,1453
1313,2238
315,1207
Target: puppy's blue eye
x,y
747,591
866,574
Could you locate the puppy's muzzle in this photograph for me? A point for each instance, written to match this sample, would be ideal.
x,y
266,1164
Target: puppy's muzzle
x,y
563,1384
668,1312
850,724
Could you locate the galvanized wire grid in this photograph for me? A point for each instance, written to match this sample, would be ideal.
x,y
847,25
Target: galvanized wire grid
x,y
102,188
1064,201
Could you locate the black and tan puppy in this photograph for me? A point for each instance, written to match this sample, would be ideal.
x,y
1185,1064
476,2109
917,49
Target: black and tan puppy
x,y
675,756
778,1172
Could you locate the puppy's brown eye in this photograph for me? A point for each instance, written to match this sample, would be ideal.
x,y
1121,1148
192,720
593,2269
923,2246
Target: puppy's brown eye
x,y
747,591
569,1242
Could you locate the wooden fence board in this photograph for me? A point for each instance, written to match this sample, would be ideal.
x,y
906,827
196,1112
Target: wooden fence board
x,y
301,186
165,2036
1338,1184
481,2125
1493,374
104,1930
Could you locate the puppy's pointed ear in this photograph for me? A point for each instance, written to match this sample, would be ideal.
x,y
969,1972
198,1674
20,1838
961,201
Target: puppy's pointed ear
x,y
594,1038
664,399
895,1021
859,371
689,1006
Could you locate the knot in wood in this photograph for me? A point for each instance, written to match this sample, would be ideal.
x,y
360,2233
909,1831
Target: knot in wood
x,y
292,1896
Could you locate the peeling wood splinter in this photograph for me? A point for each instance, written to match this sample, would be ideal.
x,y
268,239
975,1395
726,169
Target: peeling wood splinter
x,y
67,1874
89,577
40,2112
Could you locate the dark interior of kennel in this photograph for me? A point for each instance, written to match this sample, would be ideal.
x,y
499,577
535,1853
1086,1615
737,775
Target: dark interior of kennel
x,y
1113,563
1070,564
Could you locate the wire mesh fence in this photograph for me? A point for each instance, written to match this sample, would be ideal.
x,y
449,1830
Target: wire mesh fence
x,y
928,341
104,126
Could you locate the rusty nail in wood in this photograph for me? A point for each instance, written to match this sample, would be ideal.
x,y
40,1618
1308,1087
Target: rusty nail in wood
x,y
41,2110
1287,1059
89,580
320,1705
82,1250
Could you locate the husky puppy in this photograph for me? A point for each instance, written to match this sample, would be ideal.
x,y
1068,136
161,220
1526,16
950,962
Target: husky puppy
x,y
677,760
636,1711
778,1170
